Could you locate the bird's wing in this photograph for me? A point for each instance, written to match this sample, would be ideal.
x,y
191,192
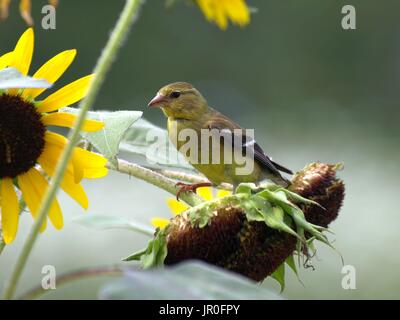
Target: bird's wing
x,y
227,127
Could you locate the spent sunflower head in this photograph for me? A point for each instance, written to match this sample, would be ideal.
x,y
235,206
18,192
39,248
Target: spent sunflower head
x,y
221,12
178,207
29,152
25,7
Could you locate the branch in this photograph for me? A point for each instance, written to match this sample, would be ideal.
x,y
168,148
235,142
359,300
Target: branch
x,y
73,276
155,178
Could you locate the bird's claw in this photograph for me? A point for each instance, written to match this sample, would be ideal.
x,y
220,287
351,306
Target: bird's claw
x,y
185,187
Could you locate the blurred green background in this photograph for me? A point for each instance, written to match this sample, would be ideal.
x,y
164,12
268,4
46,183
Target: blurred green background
x,y
310,89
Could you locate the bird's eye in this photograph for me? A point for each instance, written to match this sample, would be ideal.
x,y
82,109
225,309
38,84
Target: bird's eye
x,y
175,94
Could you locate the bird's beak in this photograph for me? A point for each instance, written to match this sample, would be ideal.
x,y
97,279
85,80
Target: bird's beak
x,y
157,100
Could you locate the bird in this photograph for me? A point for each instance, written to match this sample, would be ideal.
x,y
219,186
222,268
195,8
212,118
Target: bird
x,y
188,111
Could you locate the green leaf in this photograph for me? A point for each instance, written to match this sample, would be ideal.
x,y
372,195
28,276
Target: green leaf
x,y
104,222
107,141
290,262
188,280
245,188
296,197
135,256
259,209
279,275
148,140
155,253
12,78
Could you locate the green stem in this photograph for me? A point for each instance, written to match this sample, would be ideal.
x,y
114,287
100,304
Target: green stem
x,y
188,177
157,179
2,244
102,67
73,276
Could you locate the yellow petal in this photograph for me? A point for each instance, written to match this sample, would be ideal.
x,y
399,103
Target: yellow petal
x,y
159,222
205,193
31,198
89,159
63,119
40,185
51,71
6,60
52,153
53,149
223,193
25,10
23,52
9,210
74,190
66,96
55,139
95,173
176,207
88,164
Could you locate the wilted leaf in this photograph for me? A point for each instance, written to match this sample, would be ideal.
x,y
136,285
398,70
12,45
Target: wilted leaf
x,y
188,280
11,78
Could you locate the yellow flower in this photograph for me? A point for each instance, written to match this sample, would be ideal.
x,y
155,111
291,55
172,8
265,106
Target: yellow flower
x,y
29,152
221,11
178,207
24,8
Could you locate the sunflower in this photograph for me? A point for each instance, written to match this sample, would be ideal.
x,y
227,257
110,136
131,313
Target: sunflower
x,y
24,8
178,207
221,11
29,152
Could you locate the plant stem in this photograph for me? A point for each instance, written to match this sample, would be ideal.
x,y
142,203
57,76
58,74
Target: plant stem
x,y
103,65
73,276
188,177
156,179
2,244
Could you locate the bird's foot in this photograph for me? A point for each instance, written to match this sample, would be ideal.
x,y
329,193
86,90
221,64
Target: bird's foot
x,y
184,187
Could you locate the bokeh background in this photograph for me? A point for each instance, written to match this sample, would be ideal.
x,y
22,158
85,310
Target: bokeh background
x,y
310,89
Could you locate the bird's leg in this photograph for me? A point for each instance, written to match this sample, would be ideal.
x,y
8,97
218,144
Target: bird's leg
x,y
184,187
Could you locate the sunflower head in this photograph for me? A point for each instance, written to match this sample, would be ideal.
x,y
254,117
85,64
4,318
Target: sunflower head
x,y
29,151
176,207
251,248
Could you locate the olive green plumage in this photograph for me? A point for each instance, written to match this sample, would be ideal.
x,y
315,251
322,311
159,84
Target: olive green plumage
x,y
186,108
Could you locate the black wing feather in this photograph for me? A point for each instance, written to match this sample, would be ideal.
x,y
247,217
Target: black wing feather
x,y
226,127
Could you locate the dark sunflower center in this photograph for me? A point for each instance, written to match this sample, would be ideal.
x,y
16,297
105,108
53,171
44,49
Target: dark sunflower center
x,y
21,136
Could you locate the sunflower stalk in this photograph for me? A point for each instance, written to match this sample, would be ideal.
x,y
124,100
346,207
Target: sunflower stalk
x,y
126,19
2,243
155,178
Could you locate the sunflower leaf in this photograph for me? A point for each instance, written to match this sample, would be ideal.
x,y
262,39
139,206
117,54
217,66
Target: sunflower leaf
x,y
104,222
107,141
155,253
146,139
187,280
11,78
279,275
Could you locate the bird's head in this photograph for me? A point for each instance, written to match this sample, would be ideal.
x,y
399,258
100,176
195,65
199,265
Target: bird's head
x,y
180,100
